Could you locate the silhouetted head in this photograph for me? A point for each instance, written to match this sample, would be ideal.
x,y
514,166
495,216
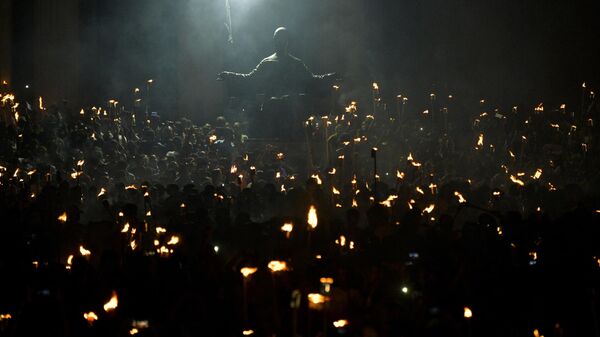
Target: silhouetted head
x,y
281,40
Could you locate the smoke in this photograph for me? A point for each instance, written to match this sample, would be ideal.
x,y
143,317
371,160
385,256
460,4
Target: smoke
x,y
506,51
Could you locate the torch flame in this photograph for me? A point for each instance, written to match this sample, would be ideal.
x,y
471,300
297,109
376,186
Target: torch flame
x,y
429,209
287,228
468,313
63,217
517,181
480,141
388,201
316,298
317,178
461,199
312,218
340,323
90,317
247,271
174,240
277,266
112,303
84,252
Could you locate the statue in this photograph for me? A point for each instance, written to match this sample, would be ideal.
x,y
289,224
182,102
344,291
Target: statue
x,y
281,77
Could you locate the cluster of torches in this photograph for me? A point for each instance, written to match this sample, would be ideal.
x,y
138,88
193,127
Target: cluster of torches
x,y
315,300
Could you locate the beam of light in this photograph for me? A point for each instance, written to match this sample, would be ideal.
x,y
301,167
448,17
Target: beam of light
x,y
228,22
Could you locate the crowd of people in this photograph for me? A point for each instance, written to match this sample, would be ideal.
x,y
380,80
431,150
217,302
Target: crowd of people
x,y
384,220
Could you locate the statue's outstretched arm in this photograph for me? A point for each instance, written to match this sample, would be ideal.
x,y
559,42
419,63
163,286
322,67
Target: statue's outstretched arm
x,y
255,73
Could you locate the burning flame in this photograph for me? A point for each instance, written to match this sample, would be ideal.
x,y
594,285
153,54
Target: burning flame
x,y
312,218
247,271
399,175
468,313
287,228
432,187
41,102
102,192
277,266
63,217
340,323
335,190
375,86
461,199
480,141
317,178
84,252
538,174
517,181
539,108
90,317
112,303
352,107
388,202
429,209
316,298
247,332
174,240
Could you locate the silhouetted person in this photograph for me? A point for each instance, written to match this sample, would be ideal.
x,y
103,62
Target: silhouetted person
x,y
279,74
282,78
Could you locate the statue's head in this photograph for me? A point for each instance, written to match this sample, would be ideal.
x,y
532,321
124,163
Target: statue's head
x,y
281,39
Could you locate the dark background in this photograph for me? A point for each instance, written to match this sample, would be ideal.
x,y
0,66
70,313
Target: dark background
x,y
509,52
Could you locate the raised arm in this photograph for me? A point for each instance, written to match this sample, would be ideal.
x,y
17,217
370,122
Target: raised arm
x,y
257,72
